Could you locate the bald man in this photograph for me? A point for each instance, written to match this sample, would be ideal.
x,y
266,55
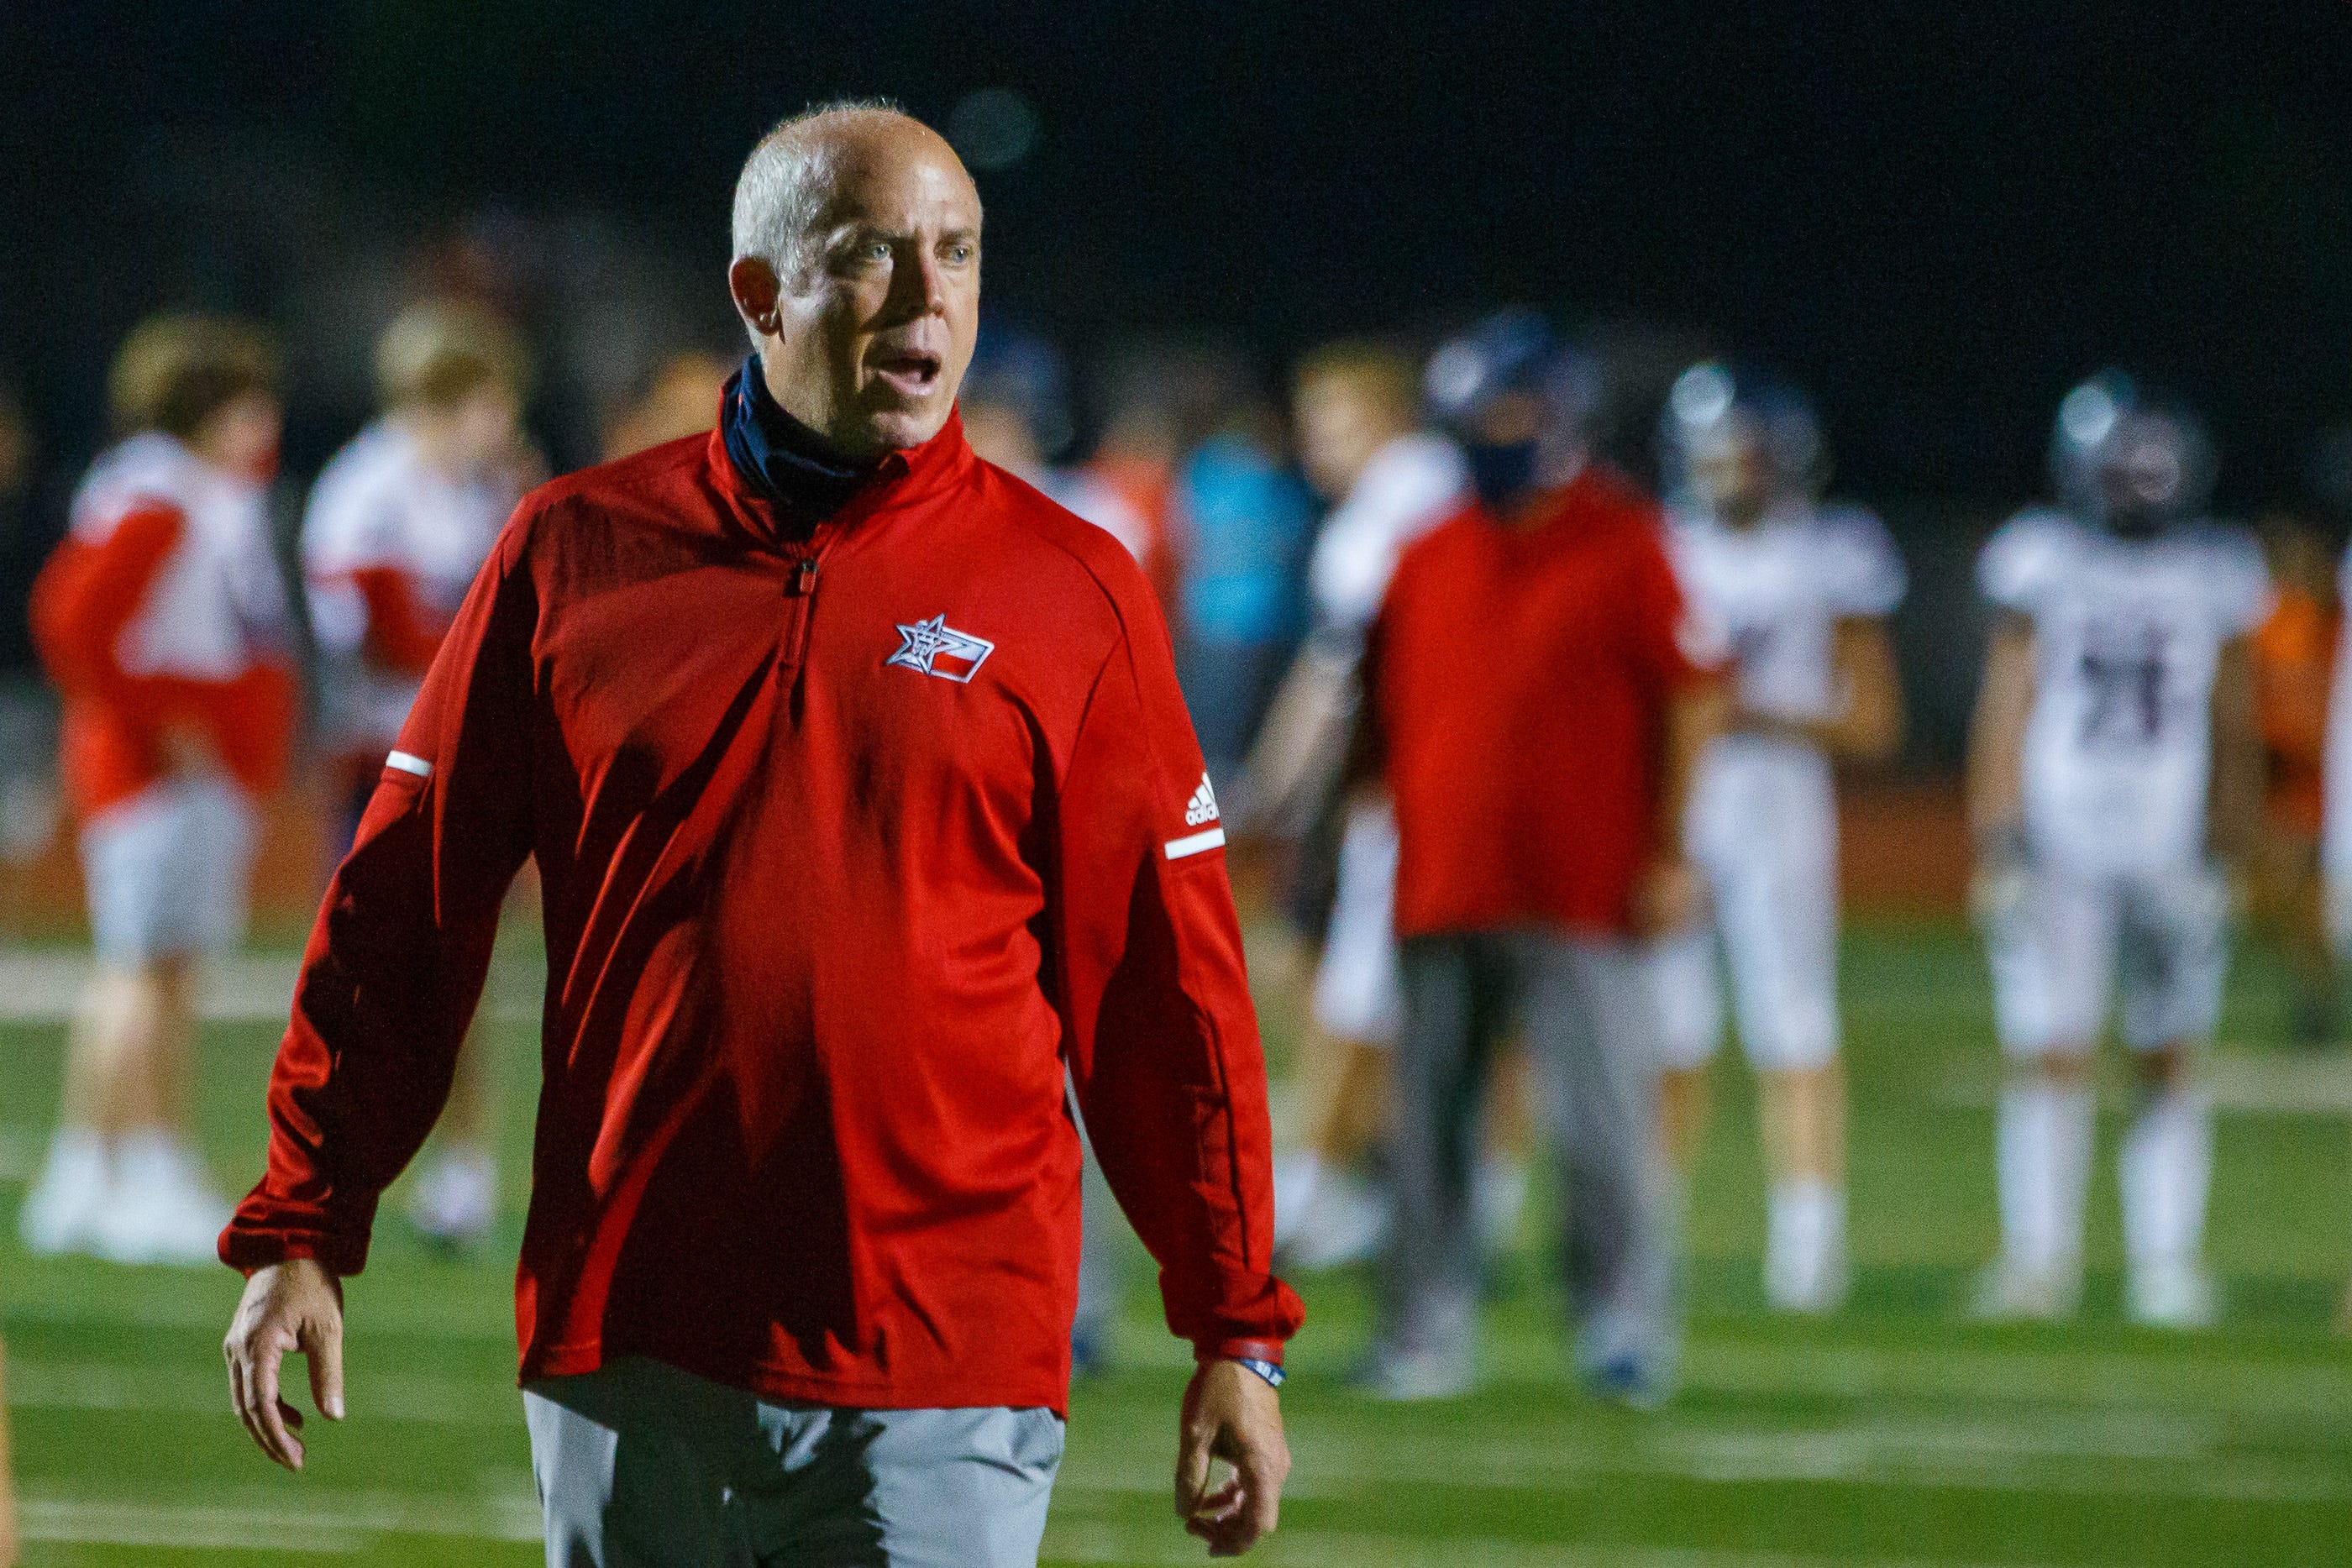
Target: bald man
x,y
865,805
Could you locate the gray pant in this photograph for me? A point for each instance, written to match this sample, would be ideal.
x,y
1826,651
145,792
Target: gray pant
x,y
1591,1021
640,1465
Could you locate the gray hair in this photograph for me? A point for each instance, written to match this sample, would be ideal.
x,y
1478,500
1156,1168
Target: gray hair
x,y
783,187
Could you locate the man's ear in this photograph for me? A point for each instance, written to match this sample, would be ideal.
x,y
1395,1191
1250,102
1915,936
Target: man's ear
x,y
753,284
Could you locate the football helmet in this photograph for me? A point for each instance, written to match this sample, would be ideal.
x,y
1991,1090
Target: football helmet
x,y
1019,371
1516,399
2128,461
1736,439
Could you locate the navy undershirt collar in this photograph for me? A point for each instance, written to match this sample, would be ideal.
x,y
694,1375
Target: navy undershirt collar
x,y
778,455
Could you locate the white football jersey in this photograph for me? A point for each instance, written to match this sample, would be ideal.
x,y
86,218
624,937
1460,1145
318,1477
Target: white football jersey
x,y
215,603
1410,485
2128,636
1778,590
379,505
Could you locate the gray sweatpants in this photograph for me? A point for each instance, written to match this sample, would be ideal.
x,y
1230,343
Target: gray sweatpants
x,y
1591,1027
640,1465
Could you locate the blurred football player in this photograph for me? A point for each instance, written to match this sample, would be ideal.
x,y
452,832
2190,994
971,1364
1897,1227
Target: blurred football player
x,y
1355,405
2293,661
1015,408
399,523
161,619
1244,520
2335,817
680,398
2335,821
1802,590
2114,783
1136,456
1538,698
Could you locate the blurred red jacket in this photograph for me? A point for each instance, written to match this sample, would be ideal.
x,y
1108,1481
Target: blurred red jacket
x,y
849,842
1518,679
161,610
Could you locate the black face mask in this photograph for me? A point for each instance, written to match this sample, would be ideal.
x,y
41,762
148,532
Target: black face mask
x,y
1501,475
2137,522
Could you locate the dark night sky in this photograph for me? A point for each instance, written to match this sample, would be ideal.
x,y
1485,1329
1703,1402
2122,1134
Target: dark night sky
x,y
1934,214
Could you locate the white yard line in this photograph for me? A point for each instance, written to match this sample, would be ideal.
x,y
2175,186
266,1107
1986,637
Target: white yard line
x,y
2248,1082
42,986
1294,1546
392,1397
185,1529
2119,1451
204,1307
1923,1455
324,1522
2235,1385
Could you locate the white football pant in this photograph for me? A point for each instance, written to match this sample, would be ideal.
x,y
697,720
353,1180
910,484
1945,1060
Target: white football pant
x,y
1762,825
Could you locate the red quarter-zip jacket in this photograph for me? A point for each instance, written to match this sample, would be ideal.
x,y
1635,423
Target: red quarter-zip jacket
x,y
850,844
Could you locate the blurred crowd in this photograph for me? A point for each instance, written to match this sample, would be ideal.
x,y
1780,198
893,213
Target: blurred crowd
x,y
1533,772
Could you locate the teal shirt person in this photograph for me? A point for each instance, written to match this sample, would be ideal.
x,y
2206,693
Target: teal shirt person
x,y
1245,522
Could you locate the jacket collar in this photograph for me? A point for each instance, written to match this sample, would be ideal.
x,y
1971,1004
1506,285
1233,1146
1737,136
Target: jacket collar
x,y
783,486
778,455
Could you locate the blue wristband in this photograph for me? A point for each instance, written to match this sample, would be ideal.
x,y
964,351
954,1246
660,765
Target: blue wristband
x,y
1274,1375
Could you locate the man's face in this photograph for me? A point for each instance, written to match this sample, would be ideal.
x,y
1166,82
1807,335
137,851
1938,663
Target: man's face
x,y
484,430
1733,477
1340,427
2140,473
874,332
241,436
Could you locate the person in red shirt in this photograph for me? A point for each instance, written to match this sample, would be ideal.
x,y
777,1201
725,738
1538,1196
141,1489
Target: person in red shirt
x,y
1538,697
161,619
865,806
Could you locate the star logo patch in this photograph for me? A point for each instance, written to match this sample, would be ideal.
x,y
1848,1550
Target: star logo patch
x,y
935,648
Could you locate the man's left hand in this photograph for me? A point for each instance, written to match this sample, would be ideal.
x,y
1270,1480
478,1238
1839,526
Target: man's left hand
x,y
1230,1414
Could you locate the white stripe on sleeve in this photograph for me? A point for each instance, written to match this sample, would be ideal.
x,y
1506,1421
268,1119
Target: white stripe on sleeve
x,y
409,764
1194,844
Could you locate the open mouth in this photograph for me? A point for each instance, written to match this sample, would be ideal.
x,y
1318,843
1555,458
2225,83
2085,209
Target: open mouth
x,y
910,372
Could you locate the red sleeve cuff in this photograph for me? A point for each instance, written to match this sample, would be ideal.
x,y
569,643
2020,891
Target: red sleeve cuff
x,y
1266,1350
247,1250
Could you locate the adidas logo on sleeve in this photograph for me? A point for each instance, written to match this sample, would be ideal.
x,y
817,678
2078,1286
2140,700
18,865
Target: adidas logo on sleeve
x,y
1202,806
1200,809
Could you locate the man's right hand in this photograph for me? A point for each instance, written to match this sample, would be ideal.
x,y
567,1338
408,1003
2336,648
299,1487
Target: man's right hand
x,y
1231,1414
293,1305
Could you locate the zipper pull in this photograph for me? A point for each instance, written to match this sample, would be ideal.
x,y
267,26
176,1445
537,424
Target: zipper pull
x,y
804,576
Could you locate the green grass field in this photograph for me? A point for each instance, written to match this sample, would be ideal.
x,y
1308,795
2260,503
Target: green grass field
x,y
1893,1434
